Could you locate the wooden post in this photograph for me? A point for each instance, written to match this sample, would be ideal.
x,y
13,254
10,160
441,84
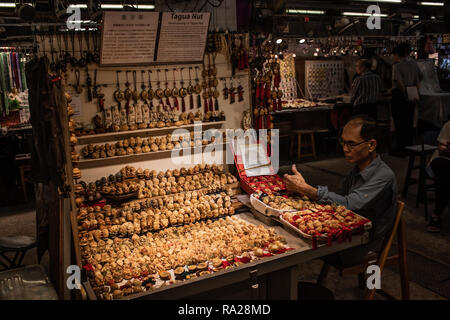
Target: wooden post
x,y
404,279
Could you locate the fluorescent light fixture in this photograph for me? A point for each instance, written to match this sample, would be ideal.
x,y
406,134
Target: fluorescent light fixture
x,y
8,5
12,4
302,41
145,6
433,17
279,41
119,6
427,3
295,11
381,1
363,14
112,6
82,6
80,21
416,17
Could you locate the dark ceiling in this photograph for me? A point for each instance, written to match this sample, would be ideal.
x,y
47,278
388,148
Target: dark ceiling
x,y
268,13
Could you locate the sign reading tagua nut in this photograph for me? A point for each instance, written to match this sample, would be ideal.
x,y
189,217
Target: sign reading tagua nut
x,y
183,37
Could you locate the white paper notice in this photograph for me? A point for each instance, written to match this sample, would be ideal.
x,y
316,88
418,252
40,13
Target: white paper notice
x,y
76,103
183,36
129,37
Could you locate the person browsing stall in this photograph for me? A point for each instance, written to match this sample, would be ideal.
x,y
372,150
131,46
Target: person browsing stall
x,y
370,189
365,89
406,75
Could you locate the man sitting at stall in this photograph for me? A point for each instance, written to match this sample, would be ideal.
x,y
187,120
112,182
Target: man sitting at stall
x,y
370,189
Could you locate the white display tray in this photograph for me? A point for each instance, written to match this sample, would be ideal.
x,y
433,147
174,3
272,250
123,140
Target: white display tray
x,y
265,209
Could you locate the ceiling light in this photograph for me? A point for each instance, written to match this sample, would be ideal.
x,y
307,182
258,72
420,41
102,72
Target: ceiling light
x,y
302,41
433,17
145,6
119,6
425,3
295,11
385,1
294,55
415,17
279,41
363,14
112,6
82,6
8,5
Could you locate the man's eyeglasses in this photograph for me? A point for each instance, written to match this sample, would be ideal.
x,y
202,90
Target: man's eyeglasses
x,y
351,145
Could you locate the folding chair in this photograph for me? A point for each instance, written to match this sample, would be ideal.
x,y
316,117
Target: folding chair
x,y
381,259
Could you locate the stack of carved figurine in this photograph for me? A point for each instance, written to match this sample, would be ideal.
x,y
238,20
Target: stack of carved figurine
x,y
138,145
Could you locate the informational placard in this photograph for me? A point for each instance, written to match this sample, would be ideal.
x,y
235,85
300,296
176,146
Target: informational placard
x,y
129,37
76,103
182,36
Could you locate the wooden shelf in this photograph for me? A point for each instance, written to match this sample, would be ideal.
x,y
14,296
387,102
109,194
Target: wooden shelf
x,y
111,136
94,163
236,188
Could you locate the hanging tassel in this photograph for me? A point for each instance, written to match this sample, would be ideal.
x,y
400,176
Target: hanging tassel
x,y
168,102
199,101
267,91
216,104
274,105
101,103
191,102
211,104
183,105
175,103
127,106
205,105
151,105
246,59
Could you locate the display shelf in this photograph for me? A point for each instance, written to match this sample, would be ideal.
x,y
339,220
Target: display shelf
x,y
111,136
235,187
93,163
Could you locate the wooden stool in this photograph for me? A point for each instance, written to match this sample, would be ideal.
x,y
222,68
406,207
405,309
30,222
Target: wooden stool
x,y
22,170
307,144
19,245
421,151
381,260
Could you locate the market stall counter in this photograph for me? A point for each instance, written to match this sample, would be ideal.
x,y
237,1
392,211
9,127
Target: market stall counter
x,y
273,277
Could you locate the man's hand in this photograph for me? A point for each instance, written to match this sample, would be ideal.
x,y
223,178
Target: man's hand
x,y
296,183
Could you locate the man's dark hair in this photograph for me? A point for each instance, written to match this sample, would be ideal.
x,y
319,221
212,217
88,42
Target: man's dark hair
x,y
402,50
368,126
366,63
